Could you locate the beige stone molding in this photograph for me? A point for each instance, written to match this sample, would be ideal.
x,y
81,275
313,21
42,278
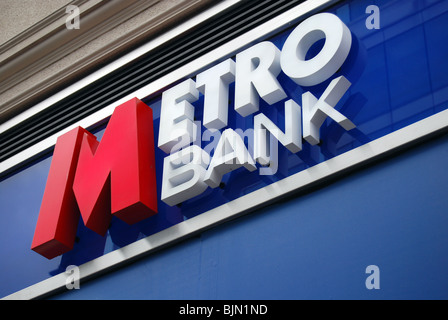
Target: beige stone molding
x,y
48,56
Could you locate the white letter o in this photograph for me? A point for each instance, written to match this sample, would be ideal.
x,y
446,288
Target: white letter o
x,y
338,41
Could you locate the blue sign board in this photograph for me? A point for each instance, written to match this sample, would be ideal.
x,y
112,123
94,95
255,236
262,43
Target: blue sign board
x,y
398,77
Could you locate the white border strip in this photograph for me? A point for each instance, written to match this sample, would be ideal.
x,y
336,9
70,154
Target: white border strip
x,y
245,204
187,70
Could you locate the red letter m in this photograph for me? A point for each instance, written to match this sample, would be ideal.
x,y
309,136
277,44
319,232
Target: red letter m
x,y
116,176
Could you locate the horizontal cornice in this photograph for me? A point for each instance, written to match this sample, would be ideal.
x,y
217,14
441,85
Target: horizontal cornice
x,y
49,42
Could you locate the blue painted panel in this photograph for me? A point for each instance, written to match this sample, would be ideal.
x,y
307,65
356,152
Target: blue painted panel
x,y
402,80
316,246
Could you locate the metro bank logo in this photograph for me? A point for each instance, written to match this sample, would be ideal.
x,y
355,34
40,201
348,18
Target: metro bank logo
x,y
117,175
